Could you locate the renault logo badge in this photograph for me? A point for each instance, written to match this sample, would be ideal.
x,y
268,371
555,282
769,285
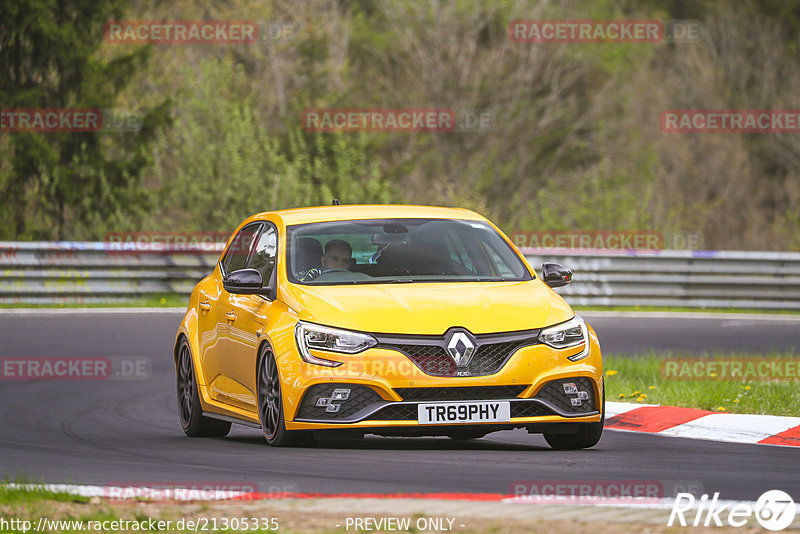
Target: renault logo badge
x,y
461,348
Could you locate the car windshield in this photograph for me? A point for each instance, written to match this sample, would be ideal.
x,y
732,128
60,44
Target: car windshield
x,y
400,251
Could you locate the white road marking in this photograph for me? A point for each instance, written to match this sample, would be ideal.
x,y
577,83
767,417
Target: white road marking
x,y
733,427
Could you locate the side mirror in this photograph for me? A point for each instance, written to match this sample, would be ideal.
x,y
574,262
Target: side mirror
x,y
246,282
556,275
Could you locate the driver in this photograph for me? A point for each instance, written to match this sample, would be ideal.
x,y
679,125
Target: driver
x,y
337,255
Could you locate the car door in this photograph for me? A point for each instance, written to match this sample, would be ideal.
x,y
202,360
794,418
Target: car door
x,y
209,338
215,316
249,315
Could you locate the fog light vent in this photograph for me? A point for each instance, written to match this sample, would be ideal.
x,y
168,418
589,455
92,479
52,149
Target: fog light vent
x,y
571,395
331,401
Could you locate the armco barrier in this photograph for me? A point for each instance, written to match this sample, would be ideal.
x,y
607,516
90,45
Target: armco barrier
x,y
688,278
92,272
88,272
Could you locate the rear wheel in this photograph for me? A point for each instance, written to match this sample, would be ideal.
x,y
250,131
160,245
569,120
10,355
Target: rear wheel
x,y
588,434
193,422
270,405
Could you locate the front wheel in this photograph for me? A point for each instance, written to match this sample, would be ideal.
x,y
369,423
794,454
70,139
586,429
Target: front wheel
x,y
270,405
587,436
193,422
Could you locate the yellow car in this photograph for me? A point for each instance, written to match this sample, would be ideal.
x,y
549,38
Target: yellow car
x,y
389,320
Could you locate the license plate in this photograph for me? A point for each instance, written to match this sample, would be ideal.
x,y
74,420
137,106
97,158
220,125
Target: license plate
x,y
463,412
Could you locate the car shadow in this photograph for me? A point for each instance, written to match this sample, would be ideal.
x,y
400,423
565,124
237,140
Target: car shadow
x,y
372,442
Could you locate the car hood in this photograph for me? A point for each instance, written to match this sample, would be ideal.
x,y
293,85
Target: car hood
x,y
430,308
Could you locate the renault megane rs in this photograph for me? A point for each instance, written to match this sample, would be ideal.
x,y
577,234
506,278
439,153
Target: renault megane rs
x,y
390,320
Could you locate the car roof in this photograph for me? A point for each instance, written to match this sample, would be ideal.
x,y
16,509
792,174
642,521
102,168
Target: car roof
x,y
368,211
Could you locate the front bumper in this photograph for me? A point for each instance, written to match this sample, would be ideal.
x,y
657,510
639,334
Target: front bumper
x,y
364,404
386,388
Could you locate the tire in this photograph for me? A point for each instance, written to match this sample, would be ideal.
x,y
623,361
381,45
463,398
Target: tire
x,y
587,436
270,405
193,422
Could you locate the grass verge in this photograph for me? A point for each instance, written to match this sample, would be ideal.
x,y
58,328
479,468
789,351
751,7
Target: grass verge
x,y
23,494
642,379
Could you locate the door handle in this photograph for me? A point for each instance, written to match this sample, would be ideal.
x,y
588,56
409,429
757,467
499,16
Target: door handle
x,y
230,316
205,306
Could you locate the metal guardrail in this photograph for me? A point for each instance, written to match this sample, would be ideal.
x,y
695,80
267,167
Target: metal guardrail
x,y
97,272
685,278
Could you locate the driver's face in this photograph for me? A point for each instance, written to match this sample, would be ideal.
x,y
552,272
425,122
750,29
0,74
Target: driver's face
x,y
337,258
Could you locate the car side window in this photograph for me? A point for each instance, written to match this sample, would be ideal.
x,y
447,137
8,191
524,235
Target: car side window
x,y
239,252
266,253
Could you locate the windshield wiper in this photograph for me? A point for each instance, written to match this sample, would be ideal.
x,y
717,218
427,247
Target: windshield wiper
x,y
357,282
412,280
393,281
479,279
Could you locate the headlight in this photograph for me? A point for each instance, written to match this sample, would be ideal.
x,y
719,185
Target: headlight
x,y
569,334
312,336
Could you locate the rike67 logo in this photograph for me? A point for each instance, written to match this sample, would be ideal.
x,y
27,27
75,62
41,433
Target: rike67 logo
x,y
774,510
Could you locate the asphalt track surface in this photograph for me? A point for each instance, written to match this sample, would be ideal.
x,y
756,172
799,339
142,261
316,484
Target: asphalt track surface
x,y
121,432
695,334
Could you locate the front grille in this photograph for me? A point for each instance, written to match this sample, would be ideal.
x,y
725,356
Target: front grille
x,y
360,397
528,409
429,353
460,393
395,412
553,394
434,360
489,358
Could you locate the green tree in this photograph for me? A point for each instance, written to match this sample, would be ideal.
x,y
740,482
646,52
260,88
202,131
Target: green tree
x,y
226,162
58,185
